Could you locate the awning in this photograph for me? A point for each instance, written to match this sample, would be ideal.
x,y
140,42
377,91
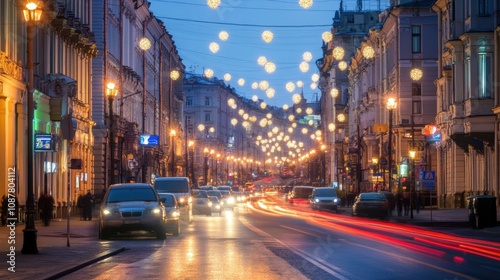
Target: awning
x,y
475,139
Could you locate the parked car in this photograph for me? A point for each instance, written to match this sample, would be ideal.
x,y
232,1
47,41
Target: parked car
x,y
172,208
180,187
325,198
215,205
300,194
371,204
201,204
132,207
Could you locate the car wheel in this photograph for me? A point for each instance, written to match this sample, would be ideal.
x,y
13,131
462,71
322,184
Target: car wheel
x,y
177,229
161,234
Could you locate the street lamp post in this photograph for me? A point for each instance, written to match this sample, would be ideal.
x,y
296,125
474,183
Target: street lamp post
x,y
375,169
193,177
412,183
205,166
172,161
32,15
391,105
111,92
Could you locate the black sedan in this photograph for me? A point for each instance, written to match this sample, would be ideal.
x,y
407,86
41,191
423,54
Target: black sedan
x,y
371,204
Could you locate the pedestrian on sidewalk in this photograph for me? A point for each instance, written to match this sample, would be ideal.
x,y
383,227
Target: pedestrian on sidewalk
x,y
406,203
46,205
399,203
88,204
79,204
418,201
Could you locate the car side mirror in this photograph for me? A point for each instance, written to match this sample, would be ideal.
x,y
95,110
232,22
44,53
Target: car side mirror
x,y
163,199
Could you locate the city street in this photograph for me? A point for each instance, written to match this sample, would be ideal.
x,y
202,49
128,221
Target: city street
x,y
269,239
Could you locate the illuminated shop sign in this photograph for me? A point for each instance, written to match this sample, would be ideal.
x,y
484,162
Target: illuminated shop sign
x,y
149,140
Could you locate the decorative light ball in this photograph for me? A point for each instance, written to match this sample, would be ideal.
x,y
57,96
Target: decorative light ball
x,y
290,86
341,117
263,105
315,77
334,92
338,53
223,36
211,130
314,86
245,116
213,4
241,82
245,124
253,118
234,121
306,4
263,122
368,52
144,44
269,116
275,130
299,110
299,84
227,77
327,36
304,66
255,85
313,137
269,122
294,125
307,56
255,98
270,92
231,102
285,107
331,127
291,118
234,106
175,74
209,73
267,36
310,122
263,85
318,133
213,47
309,111
201,127
342,65
296,98
304,130
262,60
270,67
416,74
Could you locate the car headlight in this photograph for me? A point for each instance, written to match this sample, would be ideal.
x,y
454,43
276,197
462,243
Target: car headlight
x,y
316,200
210,203
335,200
217,206
190,199
182,200
175,214
230,200
106,212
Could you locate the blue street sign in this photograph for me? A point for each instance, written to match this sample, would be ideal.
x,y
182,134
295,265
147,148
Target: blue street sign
x,y
428,180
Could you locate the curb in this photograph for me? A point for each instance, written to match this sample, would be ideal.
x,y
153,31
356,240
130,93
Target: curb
x,y
80,266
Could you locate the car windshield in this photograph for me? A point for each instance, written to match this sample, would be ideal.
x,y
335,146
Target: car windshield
x,y
325,192
131,194
225,193
169,200
214,193
202,195
171,186
371,197
214,199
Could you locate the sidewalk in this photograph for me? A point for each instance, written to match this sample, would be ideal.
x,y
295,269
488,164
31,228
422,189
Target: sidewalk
x,y
54,256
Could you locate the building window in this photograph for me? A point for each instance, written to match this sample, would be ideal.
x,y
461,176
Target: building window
x,y
416,38
417,107
188,120
208,117
189,101
207,101
484,75
416,89
467,78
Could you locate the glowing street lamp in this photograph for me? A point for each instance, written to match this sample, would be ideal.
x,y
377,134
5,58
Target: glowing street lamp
x,y
391,105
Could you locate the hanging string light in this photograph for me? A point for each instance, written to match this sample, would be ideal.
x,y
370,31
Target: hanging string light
x,y
270,92
338,53
255,98
262,60
267,36
368,52
255,85
234,121
309,111
213,47
304,66
334,92
341,117
223,36
296,98
270,67
231,102
290,86
342,65
263,105
327,36
315,77
263,85
314,86
213,4
416,74
227,77
144,44
307,56
209,73
285,107
306,4
299,83
331,127
175,74
241,82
